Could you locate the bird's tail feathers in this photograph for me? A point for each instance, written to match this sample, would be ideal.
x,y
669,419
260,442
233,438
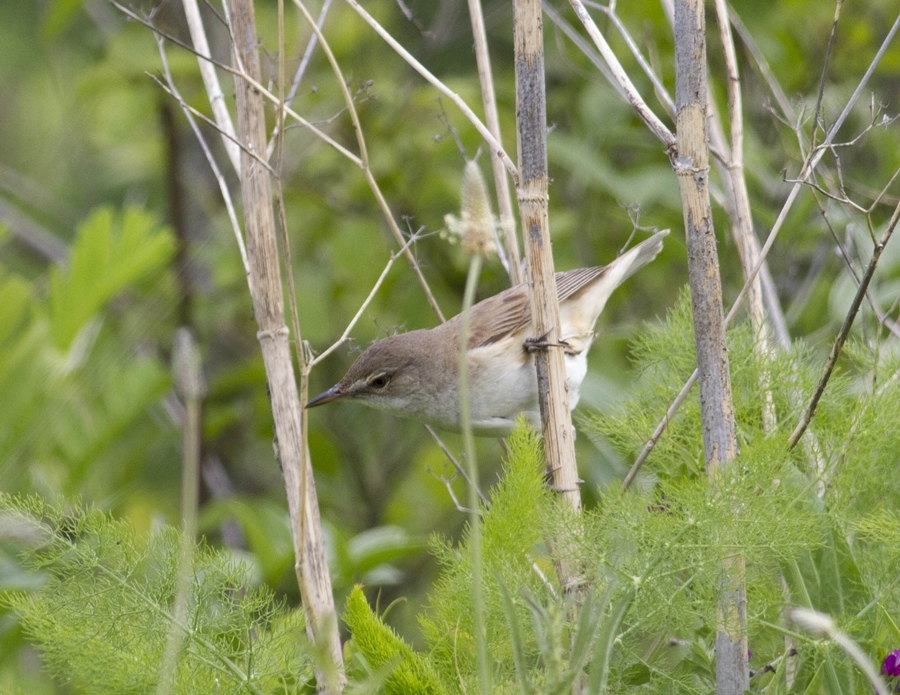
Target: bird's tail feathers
x,y
623,268
637,257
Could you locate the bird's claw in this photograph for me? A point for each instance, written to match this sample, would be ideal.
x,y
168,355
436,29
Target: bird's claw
x,y
541,343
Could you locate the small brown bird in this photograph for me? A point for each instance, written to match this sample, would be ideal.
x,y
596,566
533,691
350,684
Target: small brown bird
x,y
416,374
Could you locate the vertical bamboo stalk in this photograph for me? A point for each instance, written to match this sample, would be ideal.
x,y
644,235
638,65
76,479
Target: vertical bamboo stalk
x,y
691,164
268,308
531,122
531,131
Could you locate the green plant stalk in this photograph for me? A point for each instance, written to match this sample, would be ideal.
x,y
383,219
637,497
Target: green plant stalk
x,y
481,654
515,636
190,385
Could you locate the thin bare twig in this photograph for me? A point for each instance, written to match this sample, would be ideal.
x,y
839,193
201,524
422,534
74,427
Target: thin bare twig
x,y
167,87
211,82
299,353
511,258
301,70
621,77
582,45
658,432
661,92
496,147
841,338
350,326
762,65
456,465
448,483
818,112
220,179
364,161
845,255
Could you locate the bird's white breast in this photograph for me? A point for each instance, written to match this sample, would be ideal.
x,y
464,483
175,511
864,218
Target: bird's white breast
x,y
576,370
502,388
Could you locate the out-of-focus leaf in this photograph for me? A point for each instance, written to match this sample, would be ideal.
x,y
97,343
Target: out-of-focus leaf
x,y
110,254
266,527
59,15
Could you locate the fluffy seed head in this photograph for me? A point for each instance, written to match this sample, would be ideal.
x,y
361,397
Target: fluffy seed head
x,y
475,225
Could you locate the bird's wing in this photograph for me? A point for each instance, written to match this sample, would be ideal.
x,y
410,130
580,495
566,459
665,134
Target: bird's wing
x,y
498,317
570,281
502,316
505,314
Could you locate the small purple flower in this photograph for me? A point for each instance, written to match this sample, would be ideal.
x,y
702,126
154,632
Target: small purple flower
x,y
891,664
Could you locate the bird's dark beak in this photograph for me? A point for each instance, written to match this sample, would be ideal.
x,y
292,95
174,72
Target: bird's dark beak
x,y
331,394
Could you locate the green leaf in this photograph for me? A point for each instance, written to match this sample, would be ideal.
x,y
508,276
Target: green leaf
x,y
515,638
606,639
411,672
110,253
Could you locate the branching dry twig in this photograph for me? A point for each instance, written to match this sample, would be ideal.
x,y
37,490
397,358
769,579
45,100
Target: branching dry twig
x,y
364,161
511,258
238,72
496,147
211,82
808,168
841,338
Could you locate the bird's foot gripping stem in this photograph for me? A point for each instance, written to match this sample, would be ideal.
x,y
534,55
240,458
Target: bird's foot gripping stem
x,y
541,343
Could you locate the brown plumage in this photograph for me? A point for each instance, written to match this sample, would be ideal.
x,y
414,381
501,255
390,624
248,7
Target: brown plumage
x,y
416,374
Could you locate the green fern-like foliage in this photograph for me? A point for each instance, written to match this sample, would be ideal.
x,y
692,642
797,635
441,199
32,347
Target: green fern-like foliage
x,y
406,671
816,526
515,562
103,613
791,514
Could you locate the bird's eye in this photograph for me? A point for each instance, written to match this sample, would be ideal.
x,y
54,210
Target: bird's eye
x,y
379,381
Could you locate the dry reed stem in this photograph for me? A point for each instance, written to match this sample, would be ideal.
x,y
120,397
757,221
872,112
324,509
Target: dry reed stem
x,y
691,164
511,258
211,82
531,123
268,304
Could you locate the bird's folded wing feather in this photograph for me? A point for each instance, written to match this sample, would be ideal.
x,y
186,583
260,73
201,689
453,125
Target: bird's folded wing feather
x,y
501,316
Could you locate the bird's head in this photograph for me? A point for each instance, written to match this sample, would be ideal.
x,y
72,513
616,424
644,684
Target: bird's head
x,y
388,375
